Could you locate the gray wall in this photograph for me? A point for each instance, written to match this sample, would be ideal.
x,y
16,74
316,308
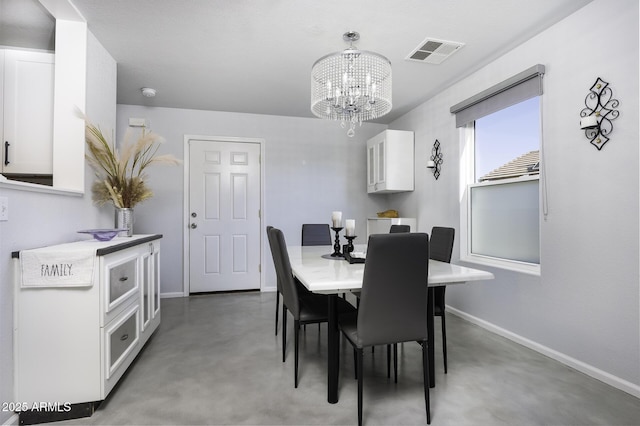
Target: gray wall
x,y
311,169
584,308
40,219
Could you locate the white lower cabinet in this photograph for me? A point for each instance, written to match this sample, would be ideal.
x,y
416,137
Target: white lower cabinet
x,y
73,343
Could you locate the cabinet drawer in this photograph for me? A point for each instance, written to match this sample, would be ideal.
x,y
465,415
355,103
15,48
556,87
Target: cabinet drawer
x,y
121,338
122,282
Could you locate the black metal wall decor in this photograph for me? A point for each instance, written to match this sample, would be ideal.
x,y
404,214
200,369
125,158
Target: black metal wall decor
x,y
436,159
598,112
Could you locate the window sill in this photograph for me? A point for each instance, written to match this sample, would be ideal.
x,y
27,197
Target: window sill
x,y
509,265
32,187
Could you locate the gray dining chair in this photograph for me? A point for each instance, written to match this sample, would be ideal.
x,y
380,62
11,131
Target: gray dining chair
x,y
392,308
394,229
312,234
278,288
305,307
316,234
441,248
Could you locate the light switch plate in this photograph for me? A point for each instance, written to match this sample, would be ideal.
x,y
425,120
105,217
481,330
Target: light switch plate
x,y
4,209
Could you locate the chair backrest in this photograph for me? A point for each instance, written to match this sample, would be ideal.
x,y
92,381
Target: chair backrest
x,y
399,228
316,234
441,244
283,271
393,300
278,286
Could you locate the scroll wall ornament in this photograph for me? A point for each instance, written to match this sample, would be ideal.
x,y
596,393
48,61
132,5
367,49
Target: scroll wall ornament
x,y
436,159
598,112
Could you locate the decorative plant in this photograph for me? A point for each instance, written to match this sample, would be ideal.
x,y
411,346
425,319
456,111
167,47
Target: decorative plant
x,y
120,173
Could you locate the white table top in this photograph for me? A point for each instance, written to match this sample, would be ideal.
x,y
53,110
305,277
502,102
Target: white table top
x,y
322,275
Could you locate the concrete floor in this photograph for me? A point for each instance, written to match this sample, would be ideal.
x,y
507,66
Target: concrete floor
x,y
215,360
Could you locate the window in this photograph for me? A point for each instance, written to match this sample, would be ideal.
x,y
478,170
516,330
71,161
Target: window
x,y
500,169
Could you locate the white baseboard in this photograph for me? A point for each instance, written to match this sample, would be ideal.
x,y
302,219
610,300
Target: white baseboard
x,y
180,294
596,373
171,295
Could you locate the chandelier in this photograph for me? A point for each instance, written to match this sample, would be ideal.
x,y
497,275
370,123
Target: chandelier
x,y
351,86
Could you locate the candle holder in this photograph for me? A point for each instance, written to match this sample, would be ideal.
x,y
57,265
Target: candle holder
x,y
349,246
336,246
600,109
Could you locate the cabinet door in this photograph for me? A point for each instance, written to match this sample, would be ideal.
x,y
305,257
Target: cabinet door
x,y
150,284
155,264
371,168
376,163
27,143
146,288
381,167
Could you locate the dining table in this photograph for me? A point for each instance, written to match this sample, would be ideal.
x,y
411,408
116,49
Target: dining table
x,y
319,272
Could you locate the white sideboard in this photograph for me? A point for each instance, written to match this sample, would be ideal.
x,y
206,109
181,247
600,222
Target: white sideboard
x,y
73,343
381,225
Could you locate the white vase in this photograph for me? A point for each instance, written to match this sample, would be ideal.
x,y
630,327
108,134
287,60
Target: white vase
x,y
124,220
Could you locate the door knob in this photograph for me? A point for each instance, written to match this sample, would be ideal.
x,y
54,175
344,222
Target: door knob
x,y
194,226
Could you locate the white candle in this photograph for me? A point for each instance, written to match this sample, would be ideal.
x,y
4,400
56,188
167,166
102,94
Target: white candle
x,y
350,226
336,219
431,164
589,122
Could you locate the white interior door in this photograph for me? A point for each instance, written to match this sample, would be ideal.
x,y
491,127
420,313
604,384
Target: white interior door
x,y
224,216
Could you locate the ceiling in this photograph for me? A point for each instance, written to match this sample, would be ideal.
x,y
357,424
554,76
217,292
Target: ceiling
x,y
255,56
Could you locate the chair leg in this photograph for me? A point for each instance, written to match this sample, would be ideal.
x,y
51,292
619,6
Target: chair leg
x,y
355,363
444,343
296,338
284,331
277,306
388,361
395,362
425,368
359,372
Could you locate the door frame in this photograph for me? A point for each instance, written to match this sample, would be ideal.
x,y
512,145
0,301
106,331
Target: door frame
x,y
186,260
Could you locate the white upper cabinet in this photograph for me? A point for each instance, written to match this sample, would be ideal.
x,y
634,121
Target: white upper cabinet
x,y
27,111
390,162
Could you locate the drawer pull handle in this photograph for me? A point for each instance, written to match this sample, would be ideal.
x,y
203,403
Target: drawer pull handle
x,y
124,337
124,278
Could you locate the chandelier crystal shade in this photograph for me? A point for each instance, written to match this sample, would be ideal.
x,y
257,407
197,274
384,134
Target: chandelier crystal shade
x,y
351,86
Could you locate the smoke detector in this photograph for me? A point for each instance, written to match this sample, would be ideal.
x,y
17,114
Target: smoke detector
x,y
434,51
148,92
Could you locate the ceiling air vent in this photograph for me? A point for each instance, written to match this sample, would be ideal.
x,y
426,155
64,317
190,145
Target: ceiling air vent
x,y
433,51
